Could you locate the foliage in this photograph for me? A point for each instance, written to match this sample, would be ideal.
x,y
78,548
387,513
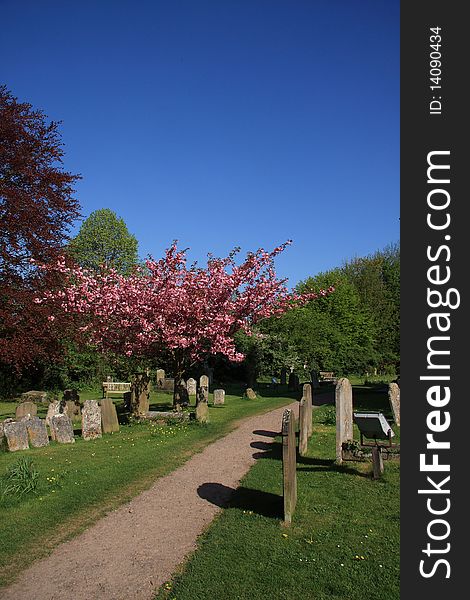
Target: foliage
x,y
104,240
189,312
329,415
353,330
21,478
36,209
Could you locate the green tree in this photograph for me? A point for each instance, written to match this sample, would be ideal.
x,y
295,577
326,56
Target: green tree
x,y
104,239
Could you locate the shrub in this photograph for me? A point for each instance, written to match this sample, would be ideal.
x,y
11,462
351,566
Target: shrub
x,y
21,478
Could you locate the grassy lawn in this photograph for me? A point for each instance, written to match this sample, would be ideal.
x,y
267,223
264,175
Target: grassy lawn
x,y
343,543
81,482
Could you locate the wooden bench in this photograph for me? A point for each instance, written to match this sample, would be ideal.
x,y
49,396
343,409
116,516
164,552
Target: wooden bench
x,y
115,387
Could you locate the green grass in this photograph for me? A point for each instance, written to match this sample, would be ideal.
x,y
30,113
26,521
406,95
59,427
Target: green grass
x,y
79,483
343,543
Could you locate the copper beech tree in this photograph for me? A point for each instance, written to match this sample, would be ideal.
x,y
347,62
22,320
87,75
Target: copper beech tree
x,y
36,209
191,312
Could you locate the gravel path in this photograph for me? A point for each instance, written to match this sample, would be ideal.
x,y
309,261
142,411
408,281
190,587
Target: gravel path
x,y
133,550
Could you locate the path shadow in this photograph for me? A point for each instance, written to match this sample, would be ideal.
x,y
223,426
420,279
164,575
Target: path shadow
x,y
266,433
261,445
272,450
262,503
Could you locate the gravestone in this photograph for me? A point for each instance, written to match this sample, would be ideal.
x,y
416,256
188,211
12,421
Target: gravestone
x,y
202,412
140,394
109,418
289,465
180,395
91,420
127,401
203,391
37,432
294,382
71,394
34,396
16,435
61,429
52,411
315,380
307,394
304,414
394,399
344,415
219,397
160,378
191,386
72,409
283,376
26,408
250,394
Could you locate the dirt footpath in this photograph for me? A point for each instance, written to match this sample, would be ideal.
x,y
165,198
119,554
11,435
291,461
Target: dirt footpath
x,y
133,550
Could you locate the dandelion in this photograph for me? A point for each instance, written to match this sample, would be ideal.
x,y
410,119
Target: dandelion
x,y
284,535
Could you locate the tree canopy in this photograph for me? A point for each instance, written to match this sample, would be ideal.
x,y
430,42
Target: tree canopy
x,y
37,208
104,240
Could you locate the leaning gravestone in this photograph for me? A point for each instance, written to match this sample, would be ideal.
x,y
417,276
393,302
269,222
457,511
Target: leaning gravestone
x,y
109,418
250,394
191,386
394,399
91,420
219,397
289,465
26,408
37,432
61,429
203,392
344,415
16,435
202,412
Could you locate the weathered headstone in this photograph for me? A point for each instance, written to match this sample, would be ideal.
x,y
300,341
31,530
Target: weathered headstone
x,y
202,412
307,394
283,376
24,409
294,382
52,411
191,386
140,394
34,396
72,409
160,378
16,435
289,464
91,420
109,418
394,399
37,432
304,414
344,415
61,429
250,394
203,391
219,397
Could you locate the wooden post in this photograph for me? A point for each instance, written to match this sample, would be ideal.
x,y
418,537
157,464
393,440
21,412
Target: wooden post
x,y
377,462
289,465
304,414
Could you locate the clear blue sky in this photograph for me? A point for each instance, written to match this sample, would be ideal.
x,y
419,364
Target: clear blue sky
x,y
222,123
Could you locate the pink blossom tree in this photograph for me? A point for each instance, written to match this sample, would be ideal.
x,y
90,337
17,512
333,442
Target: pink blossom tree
x,y
190,311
